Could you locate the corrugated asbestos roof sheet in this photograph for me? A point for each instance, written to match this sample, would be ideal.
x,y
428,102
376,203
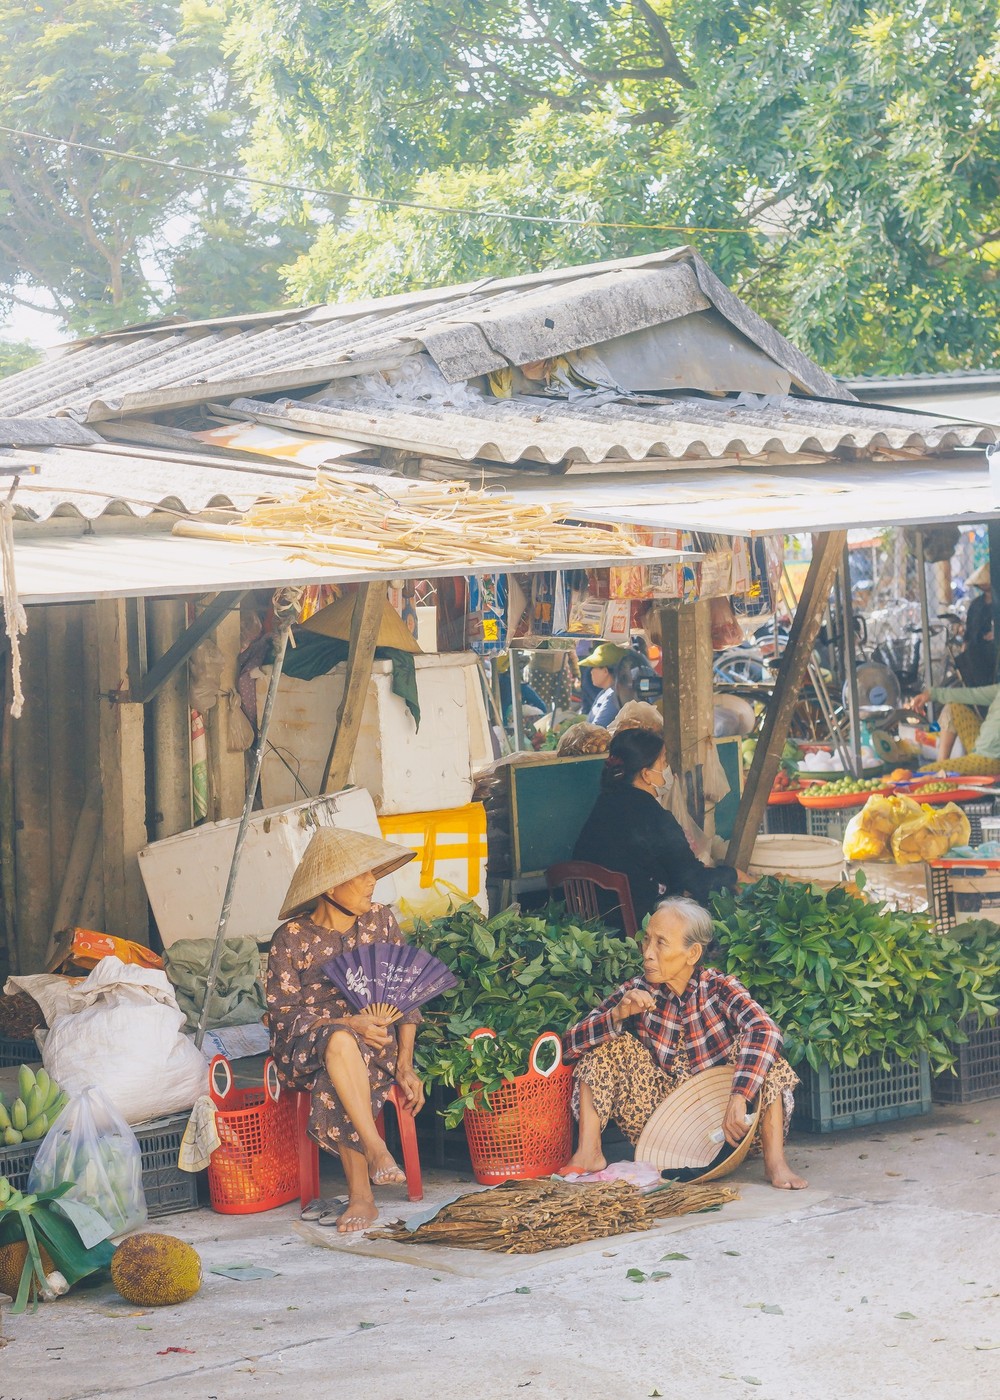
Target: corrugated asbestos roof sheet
x,y
755,501
90,483
551,431
133,563
468,330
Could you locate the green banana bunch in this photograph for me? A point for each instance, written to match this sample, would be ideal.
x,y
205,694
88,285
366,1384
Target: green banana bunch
x,y
32,1114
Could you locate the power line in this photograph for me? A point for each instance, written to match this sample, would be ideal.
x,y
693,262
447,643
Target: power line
x,y
447,210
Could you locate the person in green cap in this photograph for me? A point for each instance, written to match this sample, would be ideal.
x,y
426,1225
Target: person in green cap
x,y
603,662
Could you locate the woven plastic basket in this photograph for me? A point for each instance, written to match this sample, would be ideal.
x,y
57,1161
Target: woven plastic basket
x,y
256,1165
527,1130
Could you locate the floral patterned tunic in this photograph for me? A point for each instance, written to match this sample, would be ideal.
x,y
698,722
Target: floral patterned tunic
x,y
305,1008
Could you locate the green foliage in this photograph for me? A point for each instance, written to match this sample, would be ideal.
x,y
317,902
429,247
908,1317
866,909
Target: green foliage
x,y
16,355
106,242
518,975
838,164
844,978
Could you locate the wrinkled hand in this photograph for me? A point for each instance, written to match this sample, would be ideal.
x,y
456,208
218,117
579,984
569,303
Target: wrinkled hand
x,y
735,1126
373,1030
919,702
633,1003
413,1089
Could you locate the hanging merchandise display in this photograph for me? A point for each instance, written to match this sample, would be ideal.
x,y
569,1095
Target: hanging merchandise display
x,y
485,612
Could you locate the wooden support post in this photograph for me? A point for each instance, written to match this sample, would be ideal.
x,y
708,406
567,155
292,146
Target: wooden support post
x,y
32,841
123,781
688,711
366,619
171,726
227,771
827,553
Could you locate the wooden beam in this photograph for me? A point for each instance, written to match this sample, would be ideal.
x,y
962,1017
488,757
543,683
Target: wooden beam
x,y
32,811
227,770
170,732
142,688
827,550
688,711
123,780
366,619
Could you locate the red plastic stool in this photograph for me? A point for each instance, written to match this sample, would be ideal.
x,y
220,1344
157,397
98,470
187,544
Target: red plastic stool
x,y
309,1149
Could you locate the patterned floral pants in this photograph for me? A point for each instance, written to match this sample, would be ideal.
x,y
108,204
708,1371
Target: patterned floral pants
x,y
964,722
627,1084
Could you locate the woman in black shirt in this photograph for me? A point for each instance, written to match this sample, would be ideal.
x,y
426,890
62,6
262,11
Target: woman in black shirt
x,y
628,830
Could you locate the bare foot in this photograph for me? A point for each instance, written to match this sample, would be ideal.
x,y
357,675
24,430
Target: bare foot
x,y
359,1215
782,1177
581,1162
384,1171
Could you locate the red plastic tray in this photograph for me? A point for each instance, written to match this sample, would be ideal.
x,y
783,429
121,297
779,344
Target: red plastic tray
x,y
956,794
786,798
845,799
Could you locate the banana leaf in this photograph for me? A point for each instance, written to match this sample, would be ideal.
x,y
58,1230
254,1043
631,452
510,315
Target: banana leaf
x,y
40,1223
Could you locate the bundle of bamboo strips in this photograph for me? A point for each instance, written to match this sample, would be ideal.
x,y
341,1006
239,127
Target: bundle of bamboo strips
x,y
526,1217
432,523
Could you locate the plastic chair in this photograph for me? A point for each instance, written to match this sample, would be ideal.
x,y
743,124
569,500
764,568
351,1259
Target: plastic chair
x,y
309,1149
580,882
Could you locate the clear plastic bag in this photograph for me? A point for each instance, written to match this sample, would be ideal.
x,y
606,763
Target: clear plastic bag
x,y
91,1145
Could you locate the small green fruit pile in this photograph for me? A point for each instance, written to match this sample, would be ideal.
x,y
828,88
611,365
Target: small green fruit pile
x,y
925,788
39,1103
847,787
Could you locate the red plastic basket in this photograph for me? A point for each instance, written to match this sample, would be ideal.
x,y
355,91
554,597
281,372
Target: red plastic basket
x,y
527,1130
256,1165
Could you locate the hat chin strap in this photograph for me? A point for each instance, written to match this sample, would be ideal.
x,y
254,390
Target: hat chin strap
x,y
348,913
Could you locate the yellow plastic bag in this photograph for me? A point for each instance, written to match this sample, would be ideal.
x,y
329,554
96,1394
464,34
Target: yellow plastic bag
x,y
861,844
931,835
881,816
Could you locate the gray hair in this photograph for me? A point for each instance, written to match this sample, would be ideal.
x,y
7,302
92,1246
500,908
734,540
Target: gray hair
x,y
693,917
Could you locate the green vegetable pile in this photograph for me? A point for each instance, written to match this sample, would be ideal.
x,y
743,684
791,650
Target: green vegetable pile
x,y
519,975
844,978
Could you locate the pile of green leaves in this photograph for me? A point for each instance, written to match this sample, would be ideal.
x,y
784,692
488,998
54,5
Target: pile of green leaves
x,y
844,978
518,975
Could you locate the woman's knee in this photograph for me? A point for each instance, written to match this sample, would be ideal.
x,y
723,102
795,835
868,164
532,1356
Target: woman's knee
x,y
341,1045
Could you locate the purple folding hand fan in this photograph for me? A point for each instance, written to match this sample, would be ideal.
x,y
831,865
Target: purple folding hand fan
x,y
389,979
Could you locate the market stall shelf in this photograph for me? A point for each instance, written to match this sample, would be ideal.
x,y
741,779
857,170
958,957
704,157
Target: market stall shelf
x,y
976,1074
832,1098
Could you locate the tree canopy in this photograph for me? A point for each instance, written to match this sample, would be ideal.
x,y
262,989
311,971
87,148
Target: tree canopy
x,y
108,242
838,162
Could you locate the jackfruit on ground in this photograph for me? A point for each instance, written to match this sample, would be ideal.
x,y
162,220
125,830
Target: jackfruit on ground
x,y
12,1257
155,1271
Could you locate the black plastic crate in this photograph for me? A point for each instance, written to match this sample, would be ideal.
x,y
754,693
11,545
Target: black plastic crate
x,y
976,1072
784,819
19,1052
168,1189
833,1099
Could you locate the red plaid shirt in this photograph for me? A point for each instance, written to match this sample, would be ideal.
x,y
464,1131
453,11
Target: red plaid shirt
x,y
707,1018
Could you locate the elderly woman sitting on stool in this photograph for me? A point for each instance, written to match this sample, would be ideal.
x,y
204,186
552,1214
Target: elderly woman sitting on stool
x,y
674,1021
348,1061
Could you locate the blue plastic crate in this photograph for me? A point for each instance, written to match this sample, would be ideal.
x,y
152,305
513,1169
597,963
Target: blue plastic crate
x,y
831,1099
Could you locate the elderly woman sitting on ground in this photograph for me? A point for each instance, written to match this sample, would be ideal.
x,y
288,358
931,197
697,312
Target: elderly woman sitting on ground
x,y
348,1061
674,1021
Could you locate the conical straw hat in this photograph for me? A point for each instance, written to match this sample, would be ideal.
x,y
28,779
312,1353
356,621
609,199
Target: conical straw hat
x,y
332,858
679,1133
335,621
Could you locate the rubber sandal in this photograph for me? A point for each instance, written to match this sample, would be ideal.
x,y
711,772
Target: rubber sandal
x,y
317,1209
